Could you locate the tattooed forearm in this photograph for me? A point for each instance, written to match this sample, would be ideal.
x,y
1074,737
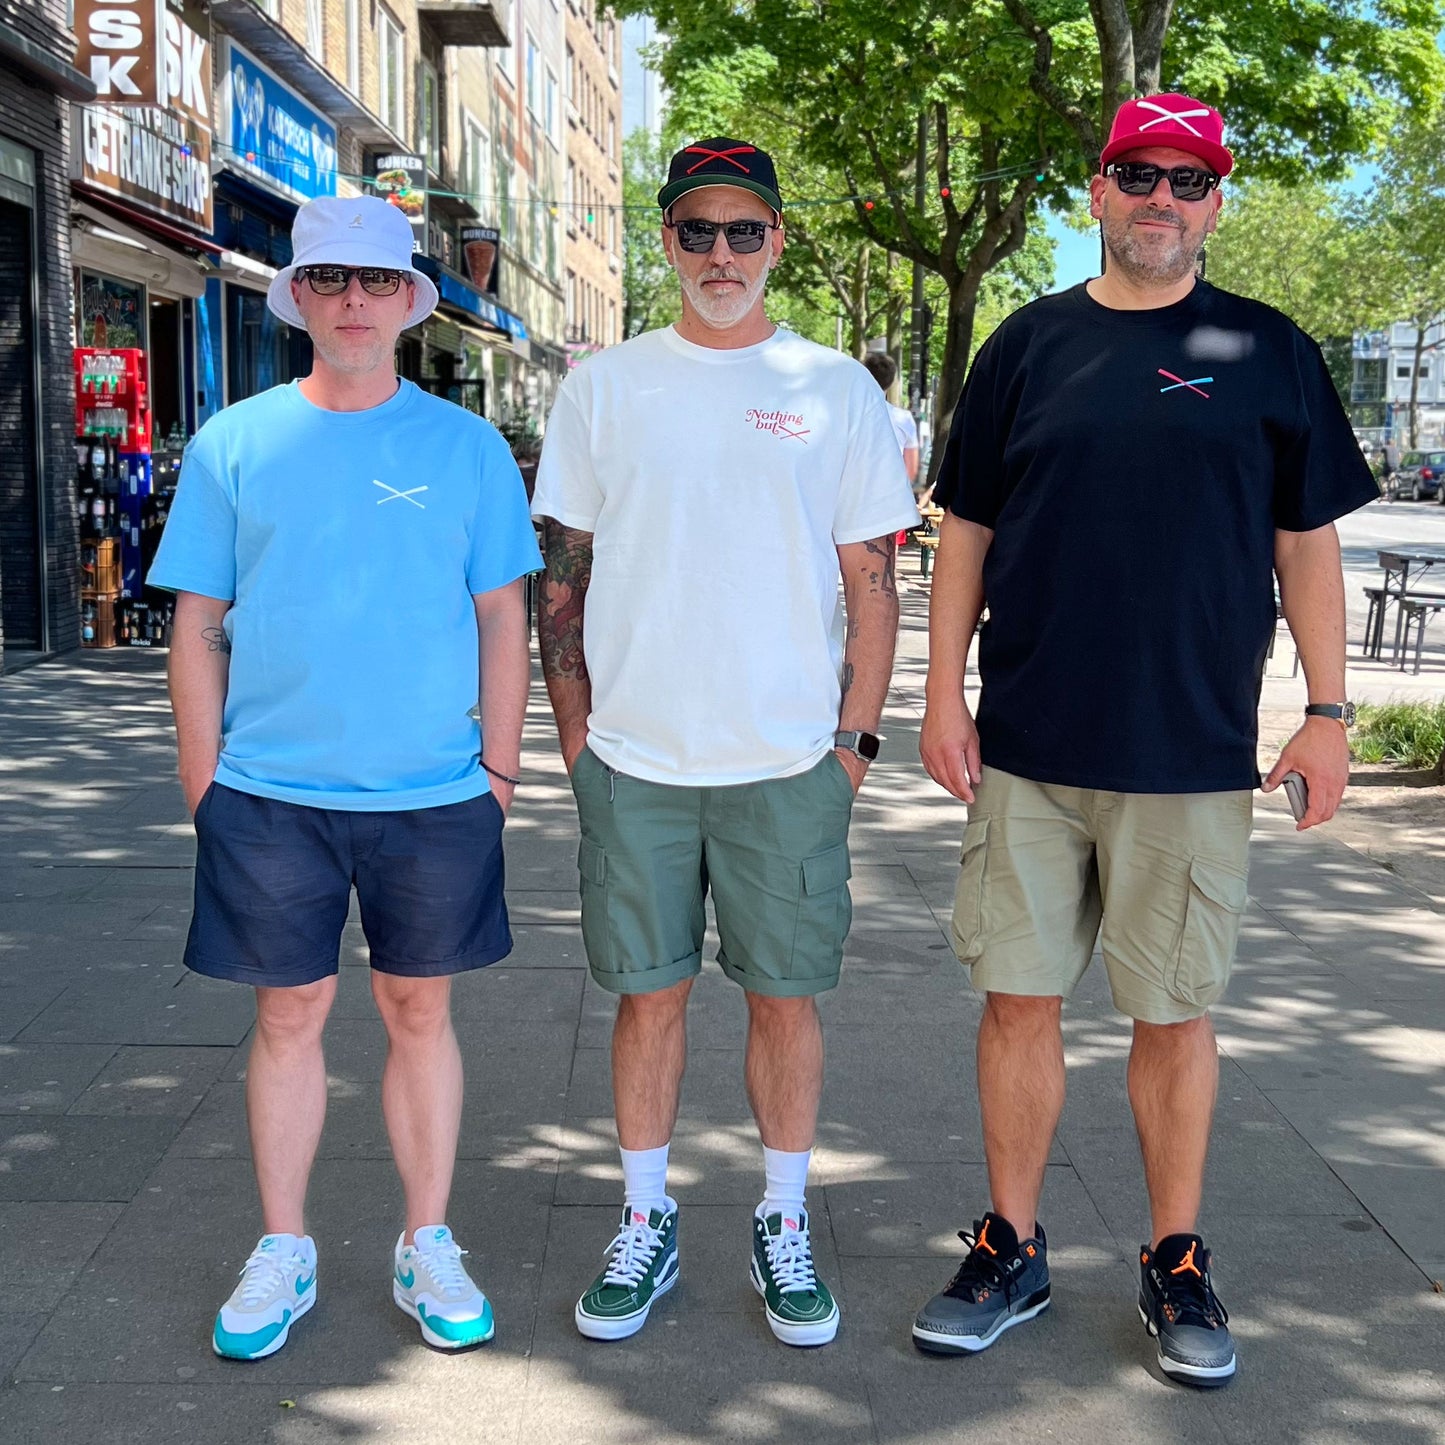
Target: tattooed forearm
x,y
561,599
881,552
216,640
847,678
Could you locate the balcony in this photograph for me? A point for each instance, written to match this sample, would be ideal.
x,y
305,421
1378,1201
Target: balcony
x,y
467,23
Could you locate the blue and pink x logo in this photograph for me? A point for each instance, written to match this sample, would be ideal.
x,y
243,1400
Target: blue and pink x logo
x,y
1179,381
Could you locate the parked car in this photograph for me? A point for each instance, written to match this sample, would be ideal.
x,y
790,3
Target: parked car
x,y
1419,475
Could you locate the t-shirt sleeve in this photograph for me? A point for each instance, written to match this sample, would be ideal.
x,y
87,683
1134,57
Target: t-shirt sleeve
x,y
503,541
197,551
874,498
567,488
1320,473
971,472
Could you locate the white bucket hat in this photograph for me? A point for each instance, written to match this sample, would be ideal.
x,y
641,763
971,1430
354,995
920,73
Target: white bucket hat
x,y
360,231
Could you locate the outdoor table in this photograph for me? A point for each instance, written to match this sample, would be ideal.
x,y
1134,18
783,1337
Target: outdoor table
x,y
1398,566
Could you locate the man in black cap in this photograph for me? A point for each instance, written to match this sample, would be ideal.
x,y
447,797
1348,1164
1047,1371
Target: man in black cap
x,y
700,488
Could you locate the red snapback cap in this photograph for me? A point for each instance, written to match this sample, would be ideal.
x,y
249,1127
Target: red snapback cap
x,y
1177,121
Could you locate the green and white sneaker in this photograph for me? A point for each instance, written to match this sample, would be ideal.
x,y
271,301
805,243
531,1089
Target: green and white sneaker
x,y
430,1283
278,1286
801,1311
642,1264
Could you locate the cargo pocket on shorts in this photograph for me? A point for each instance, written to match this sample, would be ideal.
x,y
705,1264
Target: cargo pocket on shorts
x,y
596,931
1214,911
824,913
968,896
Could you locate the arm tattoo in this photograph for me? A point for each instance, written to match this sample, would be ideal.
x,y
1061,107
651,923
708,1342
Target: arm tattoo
x,y
216,640
847,679
562,598
881,552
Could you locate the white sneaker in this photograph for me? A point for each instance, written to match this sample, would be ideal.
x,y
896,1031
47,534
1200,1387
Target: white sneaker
x,y
278,1286
432,1285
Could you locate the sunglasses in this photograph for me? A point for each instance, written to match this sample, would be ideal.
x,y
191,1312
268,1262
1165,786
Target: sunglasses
x,y
333,280
743,237
1138,178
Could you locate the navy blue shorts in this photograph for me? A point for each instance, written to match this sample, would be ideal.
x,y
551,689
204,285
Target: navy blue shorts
x,y
274,881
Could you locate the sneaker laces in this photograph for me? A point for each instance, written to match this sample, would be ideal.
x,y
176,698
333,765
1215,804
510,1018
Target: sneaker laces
x,y
790,1258
265,1272
444,1263
1192,1301
631,1254
977,1272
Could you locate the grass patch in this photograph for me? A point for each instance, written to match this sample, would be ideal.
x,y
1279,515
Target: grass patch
x,y
1409,733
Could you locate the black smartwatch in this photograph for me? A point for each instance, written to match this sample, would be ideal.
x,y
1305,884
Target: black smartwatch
x,y
863,745
1342,712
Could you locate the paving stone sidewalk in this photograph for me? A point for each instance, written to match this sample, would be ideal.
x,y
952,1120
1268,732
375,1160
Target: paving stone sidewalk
x,y
126,1201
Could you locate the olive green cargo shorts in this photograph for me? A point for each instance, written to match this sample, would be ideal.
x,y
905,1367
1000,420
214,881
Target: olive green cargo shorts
x,y
774,855
1044,865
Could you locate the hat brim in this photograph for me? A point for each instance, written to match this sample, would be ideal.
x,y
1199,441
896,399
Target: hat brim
x,y
1216,157
349,253
674,189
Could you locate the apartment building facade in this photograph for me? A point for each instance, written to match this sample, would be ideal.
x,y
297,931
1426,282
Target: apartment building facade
x,y
593,186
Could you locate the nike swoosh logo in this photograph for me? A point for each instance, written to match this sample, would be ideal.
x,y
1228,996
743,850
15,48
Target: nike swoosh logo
x,y
302,1285
407,1278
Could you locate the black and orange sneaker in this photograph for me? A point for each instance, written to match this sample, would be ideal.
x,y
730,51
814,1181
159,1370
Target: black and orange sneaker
x,y
1002,1282
1178,1305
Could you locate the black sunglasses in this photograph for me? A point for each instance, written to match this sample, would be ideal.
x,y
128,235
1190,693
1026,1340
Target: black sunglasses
x,y
1138,178
333,280
743,237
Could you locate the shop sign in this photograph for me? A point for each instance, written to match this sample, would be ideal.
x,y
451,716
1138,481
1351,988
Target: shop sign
x,y
270,134
154,160
147,52
481,247
400,180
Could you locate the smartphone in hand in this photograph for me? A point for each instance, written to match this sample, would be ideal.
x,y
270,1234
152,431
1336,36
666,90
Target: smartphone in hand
x,y
1298,793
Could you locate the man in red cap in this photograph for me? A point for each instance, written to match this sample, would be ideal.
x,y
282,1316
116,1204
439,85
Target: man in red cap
x,y
1130,466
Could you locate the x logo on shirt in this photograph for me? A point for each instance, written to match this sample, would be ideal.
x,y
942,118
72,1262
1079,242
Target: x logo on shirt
x,y
396,496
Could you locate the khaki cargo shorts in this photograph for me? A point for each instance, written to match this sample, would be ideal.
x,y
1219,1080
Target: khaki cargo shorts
x,y
773,855
1044,865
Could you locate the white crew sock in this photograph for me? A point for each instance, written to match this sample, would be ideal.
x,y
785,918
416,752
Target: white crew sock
x,y
644,1178
787,1181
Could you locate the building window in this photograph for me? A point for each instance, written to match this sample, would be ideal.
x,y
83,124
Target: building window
x,y
353,46
611,136
549,100
391,60
611,323
315,29
1402,371
477,166
428,119
534,78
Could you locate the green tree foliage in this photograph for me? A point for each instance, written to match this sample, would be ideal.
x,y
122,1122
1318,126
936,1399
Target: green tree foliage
x,y
649,289
993,106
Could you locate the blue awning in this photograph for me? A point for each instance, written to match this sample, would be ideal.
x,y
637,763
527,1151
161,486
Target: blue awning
x,y
465,297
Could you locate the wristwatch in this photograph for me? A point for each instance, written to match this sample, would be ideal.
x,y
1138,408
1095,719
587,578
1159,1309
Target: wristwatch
x,y
862,745
1342,712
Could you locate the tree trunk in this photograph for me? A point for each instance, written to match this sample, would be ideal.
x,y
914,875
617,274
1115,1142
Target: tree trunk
x,y
957,343
1420,325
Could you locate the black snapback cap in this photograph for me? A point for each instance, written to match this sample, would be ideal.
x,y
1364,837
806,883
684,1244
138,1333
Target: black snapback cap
x,y
721,162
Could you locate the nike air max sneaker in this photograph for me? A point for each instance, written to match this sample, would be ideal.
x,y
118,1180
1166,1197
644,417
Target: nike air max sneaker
x,y
430,1283
278,1286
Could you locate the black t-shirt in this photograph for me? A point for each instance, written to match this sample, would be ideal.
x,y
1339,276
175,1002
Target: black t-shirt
x,y
1134,466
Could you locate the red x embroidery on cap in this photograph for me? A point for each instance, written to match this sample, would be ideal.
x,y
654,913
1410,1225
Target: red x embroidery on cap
x,y
712,155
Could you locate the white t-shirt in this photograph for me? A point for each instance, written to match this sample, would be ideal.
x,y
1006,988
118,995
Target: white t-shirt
x,y
717,486
904,427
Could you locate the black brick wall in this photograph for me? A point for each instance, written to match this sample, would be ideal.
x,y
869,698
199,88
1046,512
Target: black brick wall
x,y
34,116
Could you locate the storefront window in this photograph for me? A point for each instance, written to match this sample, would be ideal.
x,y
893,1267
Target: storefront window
x,y
112,312
261,351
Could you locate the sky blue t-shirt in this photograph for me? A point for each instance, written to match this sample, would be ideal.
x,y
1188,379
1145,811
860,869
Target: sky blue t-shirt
x,y
351,545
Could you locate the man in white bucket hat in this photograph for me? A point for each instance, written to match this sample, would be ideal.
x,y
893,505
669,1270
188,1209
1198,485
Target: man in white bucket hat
x,y
348,554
